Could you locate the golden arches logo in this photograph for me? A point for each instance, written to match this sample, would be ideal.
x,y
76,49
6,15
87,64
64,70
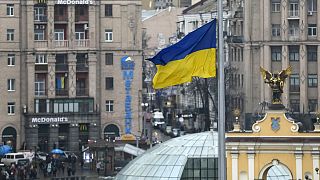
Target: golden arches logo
x,y
83,127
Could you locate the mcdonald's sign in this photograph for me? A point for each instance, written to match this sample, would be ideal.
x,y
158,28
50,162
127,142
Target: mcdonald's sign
x,y
83,127
42,1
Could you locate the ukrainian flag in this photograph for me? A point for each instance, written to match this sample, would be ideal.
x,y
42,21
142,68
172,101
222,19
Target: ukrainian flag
x,y
193,56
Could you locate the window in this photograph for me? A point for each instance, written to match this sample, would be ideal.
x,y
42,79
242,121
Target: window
x,y
312,80
276,53
11,60
39,14
108,10
10,8
11,106
40,84
200,168
294,9
109,105
41,59
108,33
312,104
109,83
39,34
312,5
275,29
11,86
295,105
10,34
312,30
80,35
59,34
294,53
294,83
312,53
109,58
275,7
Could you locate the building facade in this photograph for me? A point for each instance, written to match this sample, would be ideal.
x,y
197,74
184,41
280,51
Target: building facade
x,y
276,34
275,148
72,71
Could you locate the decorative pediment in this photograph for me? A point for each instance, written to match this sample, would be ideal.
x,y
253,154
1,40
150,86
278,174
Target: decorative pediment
x,y
275,123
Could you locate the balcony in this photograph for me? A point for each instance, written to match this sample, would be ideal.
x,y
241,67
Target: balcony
x,y
62,92
82,18
61,18
293,14
40,43
81,43
40,18
62,67
235,39
61,43
82,91
82,67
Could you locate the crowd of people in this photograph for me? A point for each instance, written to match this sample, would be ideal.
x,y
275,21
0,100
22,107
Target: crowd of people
x,y
53,166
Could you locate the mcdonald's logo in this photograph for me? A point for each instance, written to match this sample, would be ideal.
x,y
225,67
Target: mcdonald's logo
x,y
83,127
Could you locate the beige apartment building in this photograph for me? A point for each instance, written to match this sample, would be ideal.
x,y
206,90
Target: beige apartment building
x,y
276,34
71,72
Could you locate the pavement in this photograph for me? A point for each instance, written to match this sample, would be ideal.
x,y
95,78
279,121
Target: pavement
x,y
80,173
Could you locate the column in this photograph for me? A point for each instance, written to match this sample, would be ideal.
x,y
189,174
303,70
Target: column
x,y
250,154
50,26
74,137
303,79
51,75
315,162
234,163
71,25
94,131
318,61
298,154
92,61
30,24
303,23
318,24
53,136
285,65
247,21
284,20
93,26
72,75
266,20
248,78
266,93
30,80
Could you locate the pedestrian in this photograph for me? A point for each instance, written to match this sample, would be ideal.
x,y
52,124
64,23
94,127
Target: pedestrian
x,y
69,170
81,163
98,166
62,167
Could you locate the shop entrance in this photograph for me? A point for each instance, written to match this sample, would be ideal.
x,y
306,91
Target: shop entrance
x,y
9,137
43,137
111,131
83,135
63,136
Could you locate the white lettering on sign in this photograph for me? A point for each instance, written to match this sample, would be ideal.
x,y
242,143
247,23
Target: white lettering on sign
x,y
49,120
74,2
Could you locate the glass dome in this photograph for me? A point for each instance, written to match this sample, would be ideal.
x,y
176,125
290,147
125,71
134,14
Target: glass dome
x,y
186,157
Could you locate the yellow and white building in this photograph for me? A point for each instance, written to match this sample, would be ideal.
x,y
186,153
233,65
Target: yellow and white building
x,y
275,149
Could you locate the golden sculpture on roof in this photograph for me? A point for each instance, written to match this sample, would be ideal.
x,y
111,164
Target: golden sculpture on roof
x,y
276,82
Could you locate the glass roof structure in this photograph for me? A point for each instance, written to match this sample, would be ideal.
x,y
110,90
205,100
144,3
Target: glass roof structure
x,y
167,160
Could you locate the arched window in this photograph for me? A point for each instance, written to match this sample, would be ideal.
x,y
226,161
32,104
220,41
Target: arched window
x,y
9,137
111,131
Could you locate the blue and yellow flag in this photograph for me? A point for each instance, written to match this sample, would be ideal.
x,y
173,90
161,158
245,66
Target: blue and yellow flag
x,y
193,56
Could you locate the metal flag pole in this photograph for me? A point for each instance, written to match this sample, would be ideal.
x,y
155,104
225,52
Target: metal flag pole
x,y
221,98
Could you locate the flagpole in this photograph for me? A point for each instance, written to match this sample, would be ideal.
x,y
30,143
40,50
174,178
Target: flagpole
x,y
221,98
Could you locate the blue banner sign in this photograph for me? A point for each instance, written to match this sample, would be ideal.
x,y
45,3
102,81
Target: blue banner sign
x,y
127,67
